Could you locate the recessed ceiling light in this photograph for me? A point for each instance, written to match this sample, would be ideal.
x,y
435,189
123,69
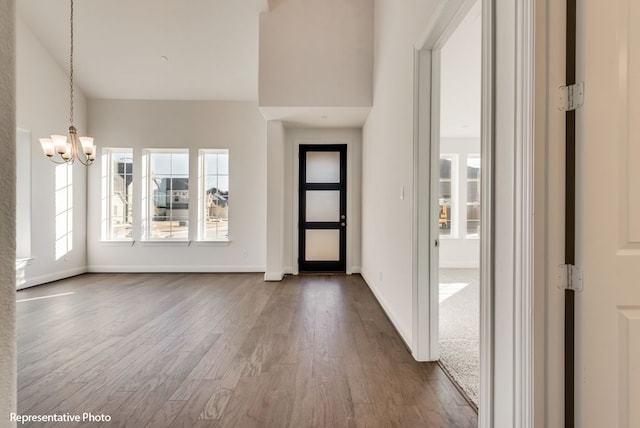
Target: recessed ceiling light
x,y
323,117
164,58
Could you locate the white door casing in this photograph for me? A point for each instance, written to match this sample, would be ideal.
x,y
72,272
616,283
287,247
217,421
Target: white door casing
x,y
608,215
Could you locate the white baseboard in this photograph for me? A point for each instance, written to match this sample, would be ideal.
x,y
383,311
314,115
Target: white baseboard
x,y
356,269
385,307
50,277
174,269
273,276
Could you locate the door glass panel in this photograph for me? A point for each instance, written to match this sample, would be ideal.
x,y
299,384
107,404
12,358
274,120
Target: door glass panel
x,y
323,167
322,245
323,205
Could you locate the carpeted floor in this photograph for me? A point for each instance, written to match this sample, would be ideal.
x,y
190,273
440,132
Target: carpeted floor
x,y
460,327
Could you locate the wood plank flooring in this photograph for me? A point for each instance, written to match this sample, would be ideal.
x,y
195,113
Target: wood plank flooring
x,y
224,350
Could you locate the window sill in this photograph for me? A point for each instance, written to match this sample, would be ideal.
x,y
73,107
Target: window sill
x,y
117,243
210,243
164,243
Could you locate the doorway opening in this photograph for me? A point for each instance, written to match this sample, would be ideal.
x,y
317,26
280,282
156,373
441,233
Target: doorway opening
x,y
459,162
454,147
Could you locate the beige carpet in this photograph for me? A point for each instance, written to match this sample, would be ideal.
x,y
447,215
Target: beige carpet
x,y
460,327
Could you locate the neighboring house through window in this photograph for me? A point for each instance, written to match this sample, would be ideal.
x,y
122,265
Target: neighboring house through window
x,y
214,195
166,197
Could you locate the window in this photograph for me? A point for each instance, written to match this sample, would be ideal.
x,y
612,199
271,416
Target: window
x,y
214,195
473,195
166,198
117,194
64,210
445,221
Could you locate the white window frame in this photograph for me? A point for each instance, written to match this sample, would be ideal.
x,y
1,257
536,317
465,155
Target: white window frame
x,y
147,195
107,194
454,230
468,203
202,197
64,207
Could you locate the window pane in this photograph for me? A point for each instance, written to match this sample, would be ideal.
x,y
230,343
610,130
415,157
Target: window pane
x,y
215,196
473,166
473,191
223,164
446,195
121,195
445,189
473,219
473,195
445,166
322,245
323,167
161,163
168,181
322,205
117,194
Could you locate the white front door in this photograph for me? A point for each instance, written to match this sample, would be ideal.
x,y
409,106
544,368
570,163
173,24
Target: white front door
x,y
608,207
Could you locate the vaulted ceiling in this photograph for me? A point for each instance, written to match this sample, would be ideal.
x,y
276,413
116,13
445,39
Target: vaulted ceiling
x,y
150,49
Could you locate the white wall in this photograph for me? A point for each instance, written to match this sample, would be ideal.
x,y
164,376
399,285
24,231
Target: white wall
x,y
353,139
387,160
195,125
43,109
8,381
458,250
316,53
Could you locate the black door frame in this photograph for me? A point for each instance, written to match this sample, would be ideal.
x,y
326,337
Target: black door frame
x,y
303,225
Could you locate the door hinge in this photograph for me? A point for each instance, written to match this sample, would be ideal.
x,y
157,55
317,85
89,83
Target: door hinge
x,y
570,278
571,97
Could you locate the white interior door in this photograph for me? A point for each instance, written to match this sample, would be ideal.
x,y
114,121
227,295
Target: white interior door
x,y
608,206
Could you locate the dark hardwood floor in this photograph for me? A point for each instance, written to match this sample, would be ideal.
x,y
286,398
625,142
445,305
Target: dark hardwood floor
x,y
224,350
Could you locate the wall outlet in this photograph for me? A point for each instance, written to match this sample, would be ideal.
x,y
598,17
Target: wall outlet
x,y
245,254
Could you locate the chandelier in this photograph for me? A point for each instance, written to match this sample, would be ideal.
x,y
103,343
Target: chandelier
x,y
69,151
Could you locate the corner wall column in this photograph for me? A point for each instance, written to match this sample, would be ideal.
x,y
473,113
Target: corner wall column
x,y
7,212
275,202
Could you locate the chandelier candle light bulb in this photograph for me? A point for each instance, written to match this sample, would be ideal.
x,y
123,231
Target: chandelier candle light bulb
x,y
47,147
87,145
60,143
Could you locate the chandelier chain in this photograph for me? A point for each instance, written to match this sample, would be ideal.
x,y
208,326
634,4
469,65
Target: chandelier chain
x,y
71,70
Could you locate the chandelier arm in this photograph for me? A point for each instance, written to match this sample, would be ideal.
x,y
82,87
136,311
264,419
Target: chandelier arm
x,y
69,162
85,163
